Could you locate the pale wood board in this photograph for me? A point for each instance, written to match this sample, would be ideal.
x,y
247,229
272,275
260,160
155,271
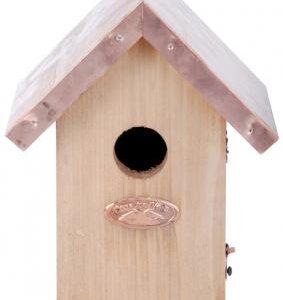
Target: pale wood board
x,y
208,64
71,51
99,260
91,48
216,55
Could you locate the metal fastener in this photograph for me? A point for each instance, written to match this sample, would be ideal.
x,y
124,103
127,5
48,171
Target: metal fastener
x,y
170,46
119,38
228,250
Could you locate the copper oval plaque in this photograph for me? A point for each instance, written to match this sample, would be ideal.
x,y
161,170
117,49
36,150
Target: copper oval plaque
x,y
142,212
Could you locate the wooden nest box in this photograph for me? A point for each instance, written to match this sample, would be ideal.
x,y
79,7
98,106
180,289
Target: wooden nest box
x,y
141,91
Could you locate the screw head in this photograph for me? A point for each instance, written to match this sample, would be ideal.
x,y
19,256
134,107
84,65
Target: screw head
x,y
229,271
34,123
119,38
170,46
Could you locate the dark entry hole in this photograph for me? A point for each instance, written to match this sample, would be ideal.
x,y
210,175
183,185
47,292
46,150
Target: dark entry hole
x,y
140,149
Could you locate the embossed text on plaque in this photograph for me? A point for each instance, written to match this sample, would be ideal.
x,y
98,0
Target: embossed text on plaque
x,y
142,212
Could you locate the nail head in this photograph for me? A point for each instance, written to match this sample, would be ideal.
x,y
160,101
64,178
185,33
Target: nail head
x,y
170,46
119,38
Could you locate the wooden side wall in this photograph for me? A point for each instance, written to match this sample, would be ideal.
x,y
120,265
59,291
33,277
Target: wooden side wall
x,y
101,261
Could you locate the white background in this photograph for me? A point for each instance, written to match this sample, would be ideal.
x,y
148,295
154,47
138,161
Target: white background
x,y
29,30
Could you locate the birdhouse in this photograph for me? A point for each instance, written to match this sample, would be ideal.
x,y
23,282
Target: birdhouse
x,y
141,91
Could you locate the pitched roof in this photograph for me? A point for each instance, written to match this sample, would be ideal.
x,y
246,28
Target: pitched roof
x,y
110,30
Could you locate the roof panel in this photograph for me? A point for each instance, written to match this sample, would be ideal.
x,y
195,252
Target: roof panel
x,y
174,30
216,55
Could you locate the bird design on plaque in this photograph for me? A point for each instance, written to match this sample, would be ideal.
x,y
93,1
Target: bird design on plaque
x,y
142,212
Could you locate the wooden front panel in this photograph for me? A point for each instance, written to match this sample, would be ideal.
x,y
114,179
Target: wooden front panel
x,y
102,261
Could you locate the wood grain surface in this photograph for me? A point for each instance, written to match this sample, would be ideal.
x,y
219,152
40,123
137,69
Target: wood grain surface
x,y
70,52
222,62
108,32
103,261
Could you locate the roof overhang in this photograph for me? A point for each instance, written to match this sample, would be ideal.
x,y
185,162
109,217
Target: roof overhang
x,y
110,30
